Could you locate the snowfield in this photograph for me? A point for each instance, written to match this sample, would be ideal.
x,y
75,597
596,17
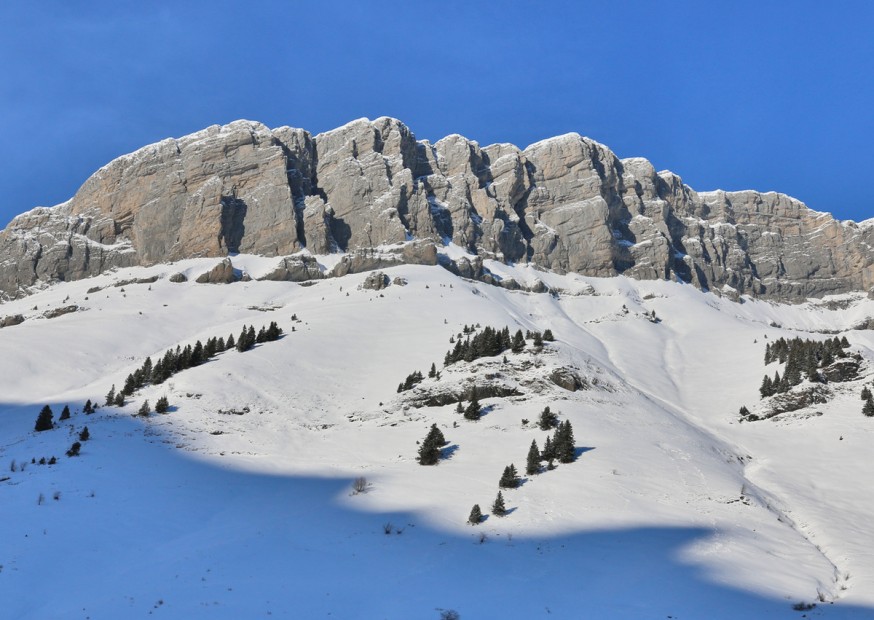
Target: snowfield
x,y
239,503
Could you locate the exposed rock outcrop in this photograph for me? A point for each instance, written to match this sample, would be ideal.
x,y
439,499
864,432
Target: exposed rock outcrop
x,y
566,204
223,273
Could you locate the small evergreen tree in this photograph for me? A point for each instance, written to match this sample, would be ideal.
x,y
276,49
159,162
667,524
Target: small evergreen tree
x,y
744,412
459,408
429,450
433,372
162,406
85,435
145,409
518,342
65,413
119,399
547,335
866,393
510,478
498,507
532,465
548,450
547,420
74,449
537,340
229,343
476,515
473,409
110,396
88,408
563,443
44,420
868,408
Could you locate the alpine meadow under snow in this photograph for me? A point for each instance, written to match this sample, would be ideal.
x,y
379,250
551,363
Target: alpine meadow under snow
x,y
284,481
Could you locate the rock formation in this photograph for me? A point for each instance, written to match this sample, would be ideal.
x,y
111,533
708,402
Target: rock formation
x,y
567,204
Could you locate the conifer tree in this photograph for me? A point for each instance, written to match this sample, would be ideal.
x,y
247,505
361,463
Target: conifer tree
x,y
145,409
532,465
766,389
429,450
866,393
88,408
130,385
537,340
744,412
459,408
433,372
547,335
74,449
868,408
85,435
220,345
229,343
119,399
197,357
498,507
518,342
44,420
510,478
548,450
162,406
65,413
110,396
547,419
473,410
476,515
563,443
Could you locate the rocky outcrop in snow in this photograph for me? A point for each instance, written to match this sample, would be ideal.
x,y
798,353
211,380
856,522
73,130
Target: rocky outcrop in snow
x,y
566,204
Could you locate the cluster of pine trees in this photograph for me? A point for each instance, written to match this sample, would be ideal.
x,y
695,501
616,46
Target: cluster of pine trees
x,y
803,359
181,358
491,342
560,446
45,418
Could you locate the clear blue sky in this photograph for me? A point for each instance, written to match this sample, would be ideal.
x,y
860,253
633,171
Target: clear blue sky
x,y
732,95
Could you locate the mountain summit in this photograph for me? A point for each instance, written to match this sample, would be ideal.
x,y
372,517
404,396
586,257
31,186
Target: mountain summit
x,y
566,204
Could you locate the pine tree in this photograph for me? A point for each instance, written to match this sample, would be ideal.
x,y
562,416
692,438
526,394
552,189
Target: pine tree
x,y
498,508
433,372
476,515
532,465
564,443
744,412
510,478
473,410
537,340
459,408
197,356
74,449
85,435
868,409
110,396
162,406
65,413
429,451
548,450
145,409
547,335
866,393
229,343
44,420
130,385
119,399
766,389
547,419
88,408
220,345
518,342
844,342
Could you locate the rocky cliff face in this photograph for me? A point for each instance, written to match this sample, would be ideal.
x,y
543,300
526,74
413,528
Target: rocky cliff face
x,y
566,204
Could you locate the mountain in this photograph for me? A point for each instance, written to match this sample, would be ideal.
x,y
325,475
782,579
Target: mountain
x,y
566,204
241,500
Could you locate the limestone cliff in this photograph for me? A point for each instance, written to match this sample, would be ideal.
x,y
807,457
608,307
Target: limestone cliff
x,y
566,204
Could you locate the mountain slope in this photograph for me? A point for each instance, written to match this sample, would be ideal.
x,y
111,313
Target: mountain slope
x,y
238,503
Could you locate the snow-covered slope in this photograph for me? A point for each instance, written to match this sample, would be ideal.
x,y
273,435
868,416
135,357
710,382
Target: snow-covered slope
x,y
238,503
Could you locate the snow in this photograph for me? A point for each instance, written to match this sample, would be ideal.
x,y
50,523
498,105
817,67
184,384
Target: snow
x,y
673,508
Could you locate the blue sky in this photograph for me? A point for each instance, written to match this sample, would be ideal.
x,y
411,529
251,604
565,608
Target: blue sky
x,y
732,95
